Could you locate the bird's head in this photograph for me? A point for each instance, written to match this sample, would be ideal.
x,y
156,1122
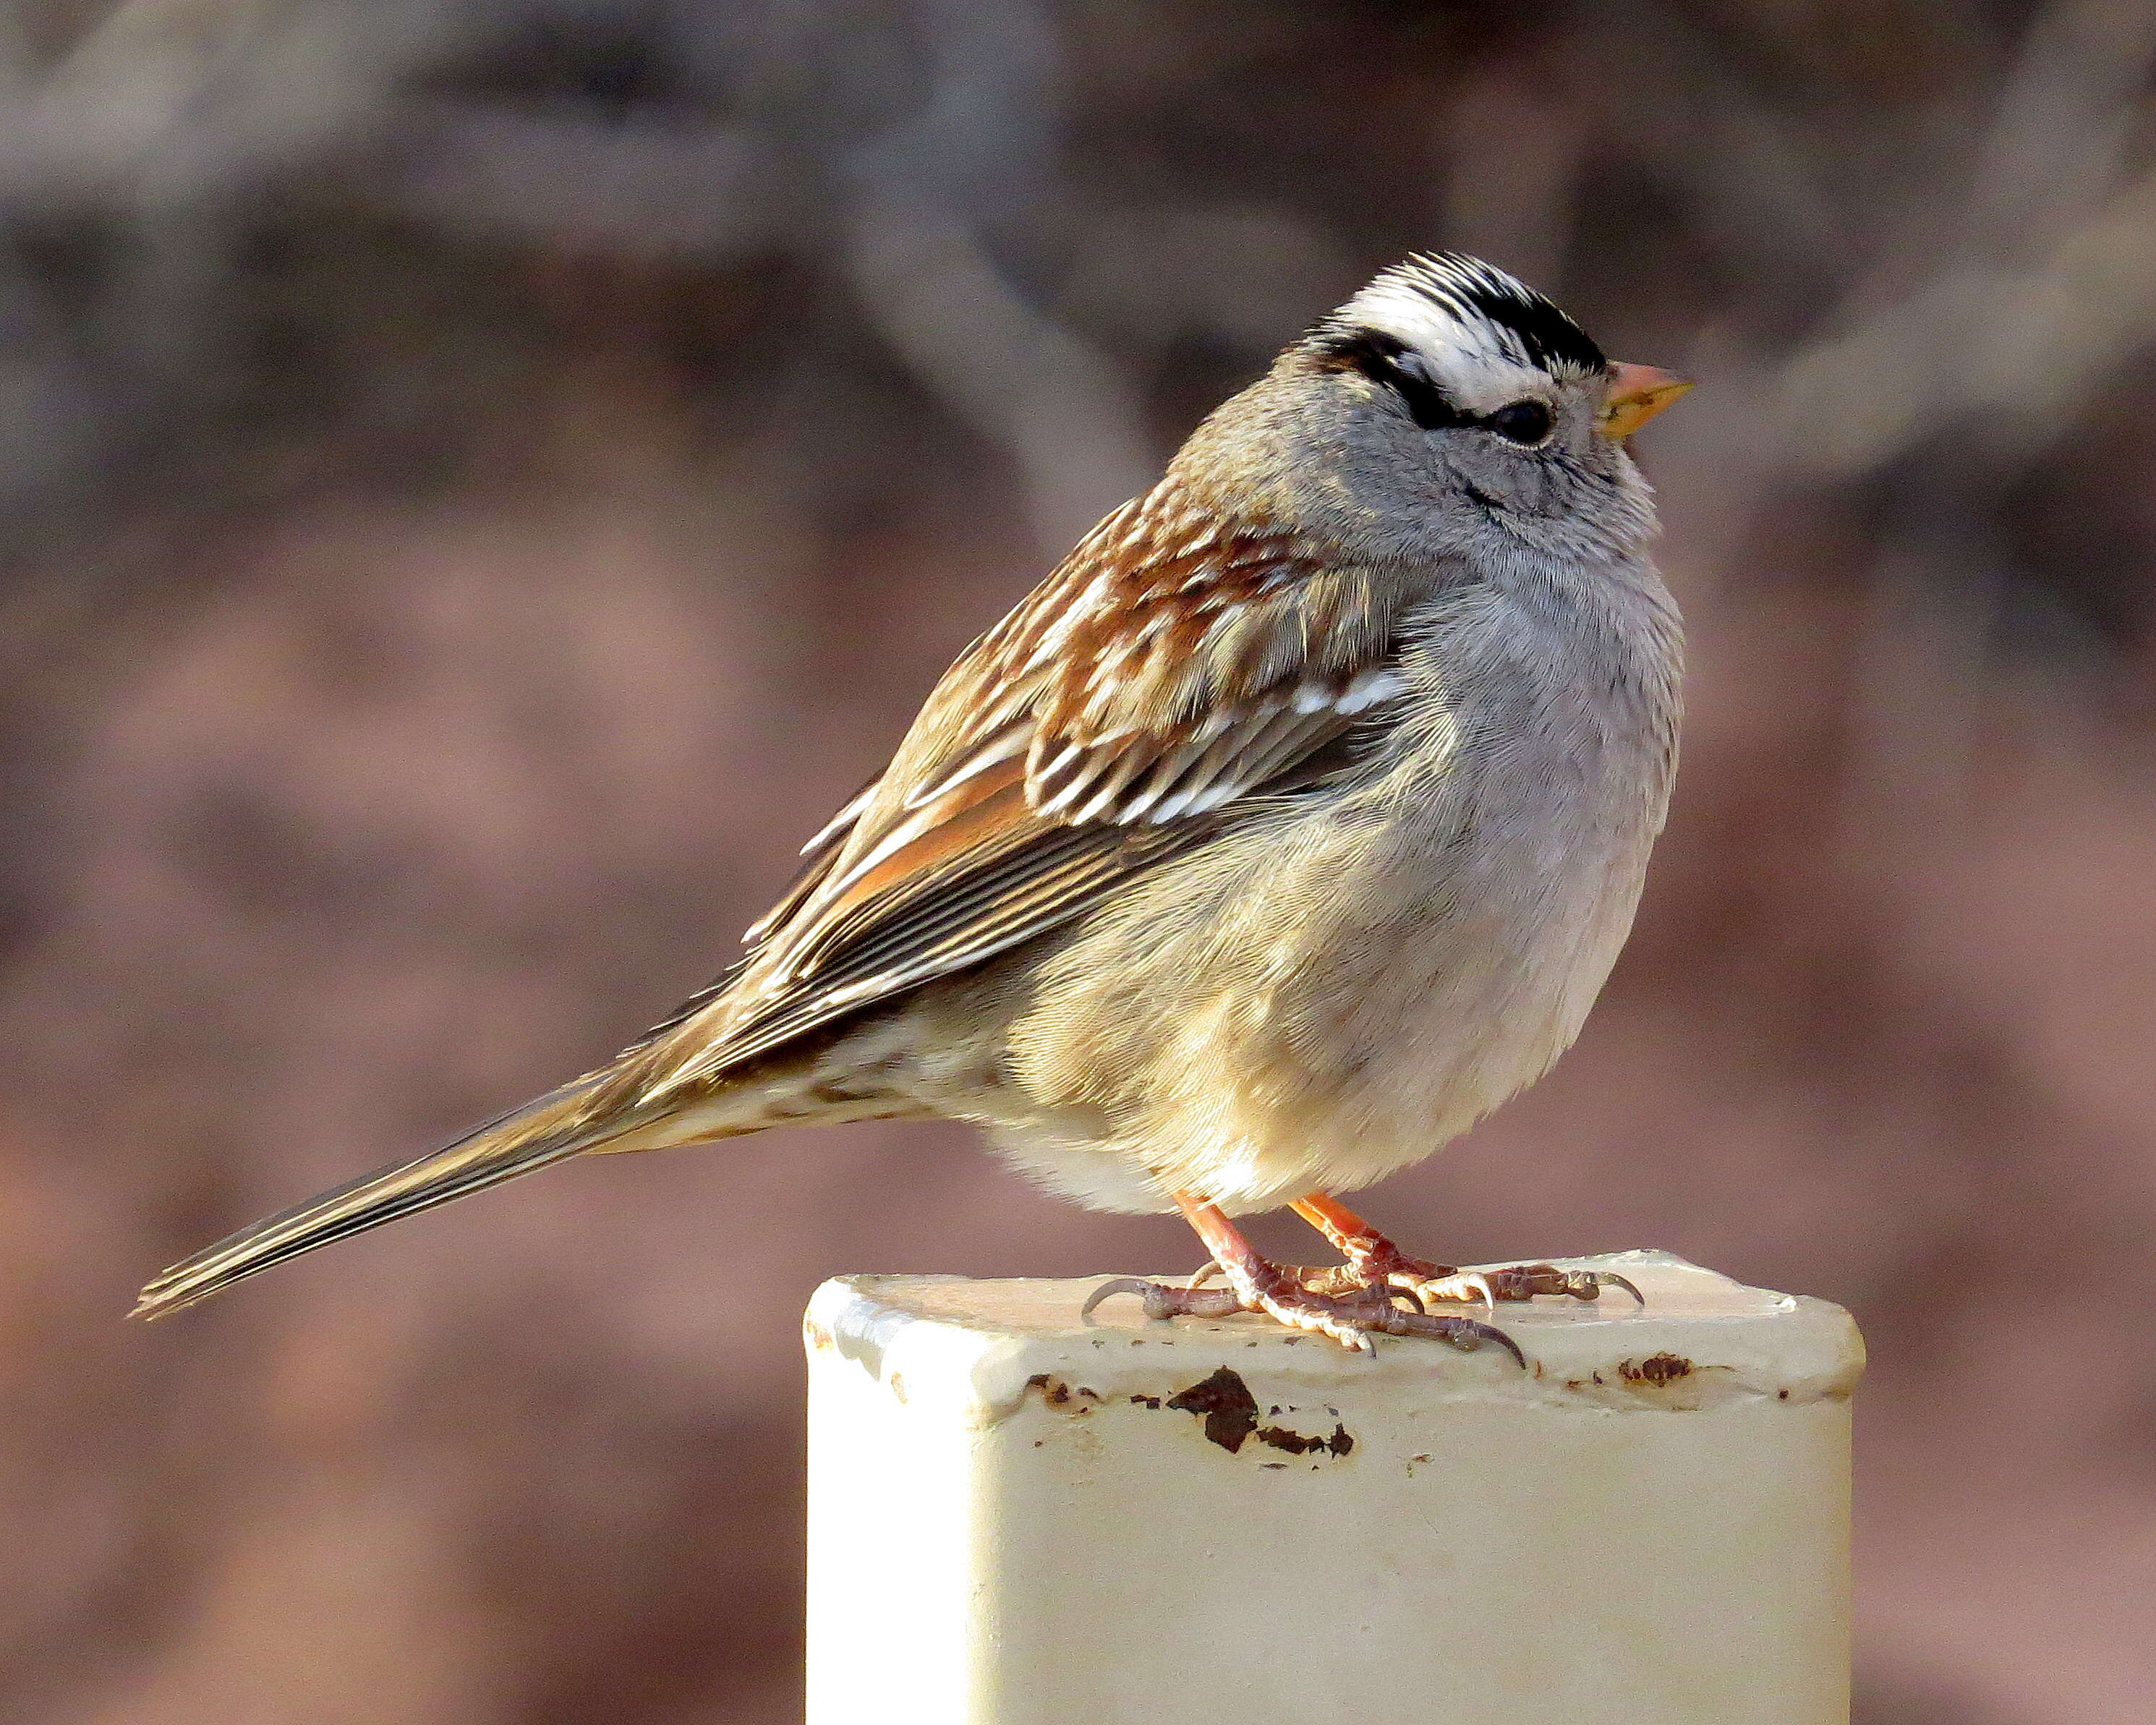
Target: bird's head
x,y
1450,397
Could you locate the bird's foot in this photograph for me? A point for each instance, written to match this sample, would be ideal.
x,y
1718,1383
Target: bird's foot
x,y
1434,1283
1351,1316
1515,1281
1373,1261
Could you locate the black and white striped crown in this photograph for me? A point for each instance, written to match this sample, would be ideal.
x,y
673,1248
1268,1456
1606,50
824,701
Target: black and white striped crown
x,y
1495,313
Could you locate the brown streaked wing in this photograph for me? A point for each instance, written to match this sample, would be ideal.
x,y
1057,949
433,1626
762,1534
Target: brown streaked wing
x,y
1214,659
968,881
818,857
1170,665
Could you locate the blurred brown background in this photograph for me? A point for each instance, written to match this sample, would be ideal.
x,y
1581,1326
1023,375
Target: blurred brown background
x,y
481,481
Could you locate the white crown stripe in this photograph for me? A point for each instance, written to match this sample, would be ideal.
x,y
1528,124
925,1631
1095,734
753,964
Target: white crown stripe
x,y
1444,304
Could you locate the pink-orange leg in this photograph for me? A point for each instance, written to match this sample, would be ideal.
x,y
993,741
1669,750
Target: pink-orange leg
x,y
1255,1284
1373,1261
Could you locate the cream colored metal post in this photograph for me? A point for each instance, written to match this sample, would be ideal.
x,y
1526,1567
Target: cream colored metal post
x,y
1016,1519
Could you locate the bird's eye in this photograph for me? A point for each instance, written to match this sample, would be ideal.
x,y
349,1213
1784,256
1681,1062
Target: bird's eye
x,y
1521,422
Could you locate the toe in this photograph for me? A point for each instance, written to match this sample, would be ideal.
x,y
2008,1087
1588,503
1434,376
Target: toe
x,y
1464,1333
1462,1285
1162,1301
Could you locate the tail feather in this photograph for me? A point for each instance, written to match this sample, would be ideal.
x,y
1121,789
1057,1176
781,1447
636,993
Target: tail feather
x,y
559,1125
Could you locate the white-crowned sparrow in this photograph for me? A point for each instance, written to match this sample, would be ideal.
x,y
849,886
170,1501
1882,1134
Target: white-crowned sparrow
x,y
1291,825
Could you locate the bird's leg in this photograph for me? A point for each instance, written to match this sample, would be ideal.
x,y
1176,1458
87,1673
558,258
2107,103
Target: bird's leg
x,y
1255,1284
1373,1261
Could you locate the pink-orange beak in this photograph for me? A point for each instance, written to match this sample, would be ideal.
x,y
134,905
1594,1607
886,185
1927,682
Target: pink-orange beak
x,y
1637,394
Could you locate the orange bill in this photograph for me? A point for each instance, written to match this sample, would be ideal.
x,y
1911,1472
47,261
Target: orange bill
x,y
1637,394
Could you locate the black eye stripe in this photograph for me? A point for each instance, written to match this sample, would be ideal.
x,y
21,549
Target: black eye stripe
x,y
1376,355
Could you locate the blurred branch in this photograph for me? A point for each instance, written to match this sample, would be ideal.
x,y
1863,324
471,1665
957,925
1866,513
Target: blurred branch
x,y
891,146
1672,100
921,203
1058,409
193,104
2049,282
716,192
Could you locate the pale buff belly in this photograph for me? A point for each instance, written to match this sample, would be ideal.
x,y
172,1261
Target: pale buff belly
x,y
1321,1056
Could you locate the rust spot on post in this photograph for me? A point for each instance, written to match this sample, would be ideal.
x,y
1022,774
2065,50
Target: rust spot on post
x,y
1224,1403
1657,1370
1054,1392
1293,1442
1296,1443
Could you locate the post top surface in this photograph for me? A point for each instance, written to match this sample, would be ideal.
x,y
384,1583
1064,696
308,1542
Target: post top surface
x,y
1702,1339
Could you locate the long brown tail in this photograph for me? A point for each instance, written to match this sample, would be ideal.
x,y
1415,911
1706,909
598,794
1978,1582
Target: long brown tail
x,y
558,1125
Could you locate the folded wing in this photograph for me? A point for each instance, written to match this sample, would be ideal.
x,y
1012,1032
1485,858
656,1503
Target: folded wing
x,y
1174,666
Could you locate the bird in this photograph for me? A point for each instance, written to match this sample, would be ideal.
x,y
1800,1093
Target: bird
x,y
1291,825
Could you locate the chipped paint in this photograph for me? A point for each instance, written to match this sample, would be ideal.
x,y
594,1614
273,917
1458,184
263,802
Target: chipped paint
x,y
1657,1370
1229,1413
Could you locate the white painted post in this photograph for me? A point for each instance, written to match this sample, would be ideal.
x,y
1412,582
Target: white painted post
x,y
1016,1519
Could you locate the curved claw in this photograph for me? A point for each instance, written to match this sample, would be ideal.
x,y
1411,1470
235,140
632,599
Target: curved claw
x,y
1163,1301
1210,1268
1587,1285
1490,1332
1459,1285
1464,1333
1146,1290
